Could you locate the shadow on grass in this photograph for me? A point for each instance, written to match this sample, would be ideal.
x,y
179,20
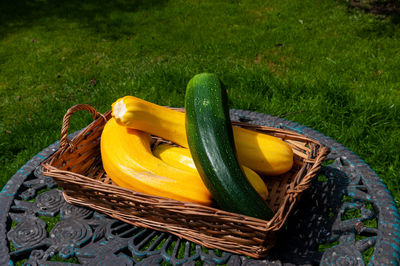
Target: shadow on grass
x,y
386,8
102,16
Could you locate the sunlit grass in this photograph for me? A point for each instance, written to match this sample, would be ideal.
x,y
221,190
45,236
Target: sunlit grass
x,y
317,63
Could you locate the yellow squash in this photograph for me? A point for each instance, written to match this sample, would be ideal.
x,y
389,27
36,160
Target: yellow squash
x,y
263,153
182,159
128,160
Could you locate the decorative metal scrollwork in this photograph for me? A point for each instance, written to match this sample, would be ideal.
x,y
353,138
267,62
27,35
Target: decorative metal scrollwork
x,y
29,232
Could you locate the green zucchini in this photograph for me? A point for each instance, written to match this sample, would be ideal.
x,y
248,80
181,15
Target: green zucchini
x,y
211,144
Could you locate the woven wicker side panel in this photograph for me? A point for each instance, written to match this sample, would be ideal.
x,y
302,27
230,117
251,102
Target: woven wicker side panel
x,y
82,154
207,226
203,226
277,187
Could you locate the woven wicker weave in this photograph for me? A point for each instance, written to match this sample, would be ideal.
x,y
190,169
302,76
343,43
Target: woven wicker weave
x,y
77,168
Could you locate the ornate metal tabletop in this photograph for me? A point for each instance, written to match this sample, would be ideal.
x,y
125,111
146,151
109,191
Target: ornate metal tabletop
x,y
347,217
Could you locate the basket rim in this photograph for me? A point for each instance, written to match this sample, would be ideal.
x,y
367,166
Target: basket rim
x,y
296,136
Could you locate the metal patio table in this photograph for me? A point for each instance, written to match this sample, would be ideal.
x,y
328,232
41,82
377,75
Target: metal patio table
x,y
346,217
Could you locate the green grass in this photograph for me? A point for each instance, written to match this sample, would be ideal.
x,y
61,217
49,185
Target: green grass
x,y
318,63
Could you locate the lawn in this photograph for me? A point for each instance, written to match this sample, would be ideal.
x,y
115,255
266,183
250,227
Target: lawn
x,y
318,63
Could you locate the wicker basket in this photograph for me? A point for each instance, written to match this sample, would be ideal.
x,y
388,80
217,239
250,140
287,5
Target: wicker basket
x,y
77,168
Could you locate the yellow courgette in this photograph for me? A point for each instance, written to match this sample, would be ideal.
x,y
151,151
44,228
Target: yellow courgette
x,y
182,159
260,152
129,162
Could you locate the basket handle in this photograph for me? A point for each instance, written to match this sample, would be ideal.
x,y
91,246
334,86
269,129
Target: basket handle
x,y
65,124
